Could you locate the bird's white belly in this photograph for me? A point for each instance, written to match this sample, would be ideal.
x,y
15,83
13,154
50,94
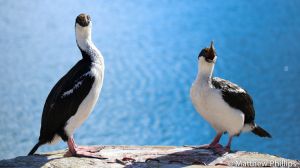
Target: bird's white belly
x,y
211,106
89,102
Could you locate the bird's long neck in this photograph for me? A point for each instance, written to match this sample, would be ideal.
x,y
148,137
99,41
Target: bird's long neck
x,y
84,42
90,52
205,71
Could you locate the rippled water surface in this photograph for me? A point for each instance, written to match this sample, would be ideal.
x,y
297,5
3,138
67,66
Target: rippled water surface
x,y
150,50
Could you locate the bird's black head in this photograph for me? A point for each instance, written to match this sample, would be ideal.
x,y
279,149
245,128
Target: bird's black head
x,y
83,20
208,53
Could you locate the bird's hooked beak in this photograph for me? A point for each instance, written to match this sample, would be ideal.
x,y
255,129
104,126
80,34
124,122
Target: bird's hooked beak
x,y
212,45
211,52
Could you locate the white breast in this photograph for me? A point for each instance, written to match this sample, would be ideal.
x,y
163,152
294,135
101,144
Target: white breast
x,y
209,103
88,104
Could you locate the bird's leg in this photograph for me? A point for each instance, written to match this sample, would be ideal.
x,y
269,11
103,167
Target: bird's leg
x,y
227,148
71,146
214,143
75,150
73,142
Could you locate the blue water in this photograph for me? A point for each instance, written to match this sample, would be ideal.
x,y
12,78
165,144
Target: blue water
x,y
150,50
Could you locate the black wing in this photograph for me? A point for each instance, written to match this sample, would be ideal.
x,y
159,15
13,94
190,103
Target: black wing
x,y
64,100
236,97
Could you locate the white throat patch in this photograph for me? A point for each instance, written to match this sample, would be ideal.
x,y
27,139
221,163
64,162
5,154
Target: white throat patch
x,y
83,35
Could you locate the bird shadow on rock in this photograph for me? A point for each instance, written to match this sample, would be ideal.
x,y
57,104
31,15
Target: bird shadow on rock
x,y
180,159
27,161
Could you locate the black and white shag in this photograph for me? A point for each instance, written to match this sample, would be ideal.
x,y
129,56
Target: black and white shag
x,y
74,96
225,105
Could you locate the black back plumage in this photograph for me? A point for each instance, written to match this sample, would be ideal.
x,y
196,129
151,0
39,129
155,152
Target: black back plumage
x,y
58,107
63,102
236,97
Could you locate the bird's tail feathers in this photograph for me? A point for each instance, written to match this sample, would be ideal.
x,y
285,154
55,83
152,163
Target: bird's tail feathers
x,y
261,132
36,146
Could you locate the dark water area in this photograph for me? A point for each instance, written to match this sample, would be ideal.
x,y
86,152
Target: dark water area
x,y
150,50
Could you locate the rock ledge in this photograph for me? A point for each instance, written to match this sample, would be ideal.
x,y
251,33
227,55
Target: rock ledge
x,y
151,156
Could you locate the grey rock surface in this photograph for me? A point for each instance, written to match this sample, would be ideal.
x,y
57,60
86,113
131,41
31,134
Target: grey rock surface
x,y
151,156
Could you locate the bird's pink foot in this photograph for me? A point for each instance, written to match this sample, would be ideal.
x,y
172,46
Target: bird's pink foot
x,y
217,146
214,144
209,146
219,150
92,149
82,151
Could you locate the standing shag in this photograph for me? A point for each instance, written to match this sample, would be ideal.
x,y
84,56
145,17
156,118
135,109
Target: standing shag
x,y
225,105
74,96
